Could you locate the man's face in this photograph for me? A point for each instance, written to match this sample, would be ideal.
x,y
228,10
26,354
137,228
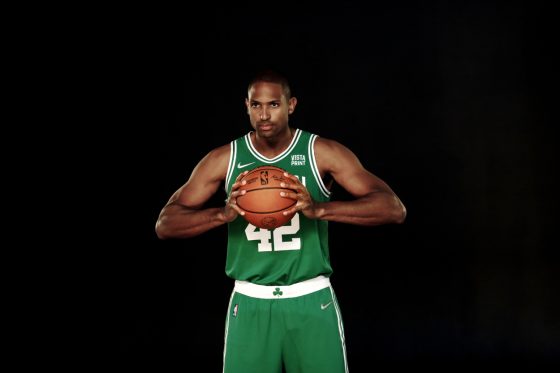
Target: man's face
x,y
268,108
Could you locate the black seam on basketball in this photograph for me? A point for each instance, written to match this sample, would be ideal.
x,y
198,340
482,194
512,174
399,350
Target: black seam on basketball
x,y
268,212
260,168
264,188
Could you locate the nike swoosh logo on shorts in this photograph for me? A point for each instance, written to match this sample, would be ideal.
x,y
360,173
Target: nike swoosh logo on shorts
x,y
239,165
323,306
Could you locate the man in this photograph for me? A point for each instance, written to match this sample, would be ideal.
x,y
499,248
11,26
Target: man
x,y
283,310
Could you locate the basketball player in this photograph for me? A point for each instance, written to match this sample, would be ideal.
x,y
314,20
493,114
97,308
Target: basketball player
x,y
283,313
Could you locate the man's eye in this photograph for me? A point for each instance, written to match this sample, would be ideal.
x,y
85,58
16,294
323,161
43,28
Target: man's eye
x,y
275,104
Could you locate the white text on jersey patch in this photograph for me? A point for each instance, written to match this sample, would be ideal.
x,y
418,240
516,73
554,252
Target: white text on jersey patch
x,y
298,160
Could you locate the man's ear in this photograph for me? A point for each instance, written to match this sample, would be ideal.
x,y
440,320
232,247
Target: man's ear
x,y
292,105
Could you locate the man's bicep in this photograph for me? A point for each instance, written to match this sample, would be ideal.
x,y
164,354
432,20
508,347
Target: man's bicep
x,y
204,181
358,181
348,171
195,193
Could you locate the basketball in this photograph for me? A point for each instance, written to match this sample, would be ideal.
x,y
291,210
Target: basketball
x,y
262,202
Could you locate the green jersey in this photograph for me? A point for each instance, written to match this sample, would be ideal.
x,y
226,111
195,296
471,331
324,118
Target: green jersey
x,y
294,252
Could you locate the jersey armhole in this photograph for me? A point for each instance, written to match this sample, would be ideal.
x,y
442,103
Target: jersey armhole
x,y
324,190
231,164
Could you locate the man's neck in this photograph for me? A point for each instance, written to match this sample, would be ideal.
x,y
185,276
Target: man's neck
x,y
271,147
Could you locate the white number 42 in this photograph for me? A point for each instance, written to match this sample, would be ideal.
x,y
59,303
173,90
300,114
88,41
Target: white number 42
x,y
278,244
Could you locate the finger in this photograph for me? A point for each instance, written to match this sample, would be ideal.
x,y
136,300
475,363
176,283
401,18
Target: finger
x,y
236,193
290,195
232,204
241,175
238,184
298,188
237,209
292,178
293,210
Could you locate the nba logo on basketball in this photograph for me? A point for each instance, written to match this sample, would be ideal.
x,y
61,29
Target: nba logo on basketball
x,y
264,177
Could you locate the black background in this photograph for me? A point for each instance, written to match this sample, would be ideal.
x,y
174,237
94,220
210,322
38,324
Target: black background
x,y
444,102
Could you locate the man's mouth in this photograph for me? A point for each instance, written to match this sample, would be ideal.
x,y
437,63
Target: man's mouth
x,y
265,126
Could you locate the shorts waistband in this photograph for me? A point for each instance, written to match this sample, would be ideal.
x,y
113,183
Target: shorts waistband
x,y
281,291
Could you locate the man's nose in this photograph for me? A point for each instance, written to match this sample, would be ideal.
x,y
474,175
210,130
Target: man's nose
x,y
265,114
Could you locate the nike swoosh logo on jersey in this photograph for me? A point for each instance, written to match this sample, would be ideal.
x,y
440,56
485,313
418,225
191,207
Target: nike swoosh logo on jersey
x,y
323,306
239,165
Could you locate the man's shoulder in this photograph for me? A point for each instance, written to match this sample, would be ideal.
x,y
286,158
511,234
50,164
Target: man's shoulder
x,y
225,148
220,151
325,142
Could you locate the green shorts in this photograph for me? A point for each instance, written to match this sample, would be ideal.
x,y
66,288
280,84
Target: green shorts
x,y
298,327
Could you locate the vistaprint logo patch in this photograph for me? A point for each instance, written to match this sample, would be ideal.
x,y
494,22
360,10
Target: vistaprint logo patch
x,y
298,160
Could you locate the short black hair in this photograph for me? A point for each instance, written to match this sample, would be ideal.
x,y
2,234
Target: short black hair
x,y
271,76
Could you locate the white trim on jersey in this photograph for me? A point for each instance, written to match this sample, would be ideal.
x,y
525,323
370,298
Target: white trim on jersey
x,y
231,164
314,168
280,156
226,332
340,328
